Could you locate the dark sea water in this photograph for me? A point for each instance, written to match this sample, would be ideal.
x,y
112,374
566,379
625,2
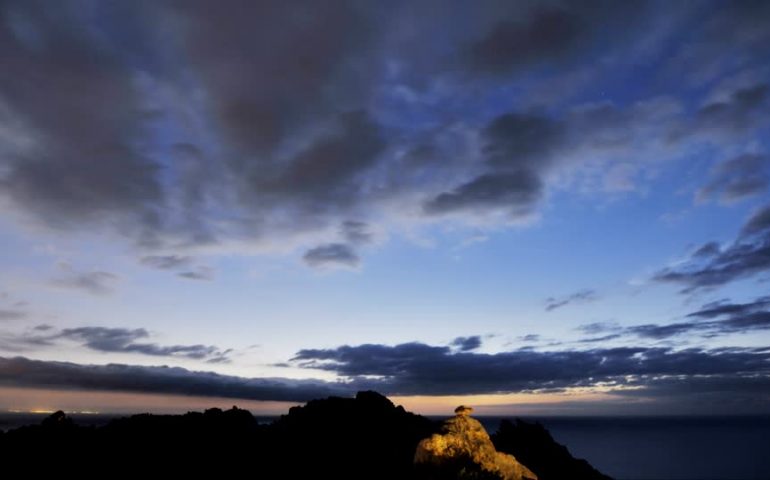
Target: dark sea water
x,y
626,448
665,448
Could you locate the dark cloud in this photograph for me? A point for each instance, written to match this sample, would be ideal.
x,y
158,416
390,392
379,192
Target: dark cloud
x,y
287,89
714,319
113,340
718,309
603,338
178,262
599,327
522,141
548,33
731,36
466,344
516,192
552,35
723,394
738,178
200,273
166,262
333,254
312,50
759,223
744,110
73,97
23,372
519,151
416,368
420,369
517,148
178,125
126,340
529,338
582,296
95,282
355,232
707,250
11,314
90,91
711,266
662,331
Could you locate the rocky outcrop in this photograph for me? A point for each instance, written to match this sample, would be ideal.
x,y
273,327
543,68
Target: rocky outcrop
x,y
465,446
534,446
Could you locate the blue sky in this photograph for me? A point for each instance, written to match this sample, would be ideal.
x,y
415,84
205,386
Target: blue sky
x,y
534,205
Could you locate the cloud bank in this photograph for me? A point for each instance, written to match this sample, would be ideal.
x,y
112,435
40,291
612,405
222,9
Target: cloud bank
x,y
181,128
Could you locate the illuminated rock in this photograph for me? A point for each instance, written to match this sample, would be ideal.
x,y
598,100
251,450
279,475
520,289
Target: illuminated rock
x,y
464,443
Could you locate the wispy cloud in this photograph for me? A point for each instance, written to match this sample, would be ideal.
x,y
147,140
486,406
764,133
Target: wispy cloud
x,y
582,296
332,255
95,282
712,265
111,340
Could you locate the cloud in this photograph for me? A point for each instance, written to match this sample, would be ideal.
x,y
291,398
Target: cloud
x,y
125,340
730,36
200,273
420,369
343,119
712,266
546,34
759,223
550,35
112,340
599,327
332,255
713,319
12,314
95,282
532,337
355,232
516,192
166,262
582,296
603,338
738,178
741,112
23,372
81,114
177,262
466,344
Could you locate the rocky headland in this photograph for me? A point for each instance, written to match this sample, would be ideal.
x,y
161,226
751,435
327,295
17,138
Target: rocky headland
x,y
366,437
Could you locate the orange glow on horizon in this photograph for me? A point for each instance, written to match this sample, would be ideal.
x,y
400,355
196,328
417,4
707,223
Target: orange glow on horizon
x,y
34,400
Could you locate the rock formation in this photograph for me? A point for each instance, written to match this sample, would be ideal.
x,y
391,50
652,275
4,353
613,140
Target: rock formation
x,y
465,445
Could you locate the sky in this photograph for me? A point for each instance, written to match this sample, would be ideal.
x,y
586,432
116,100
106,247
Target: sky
x,y
531,207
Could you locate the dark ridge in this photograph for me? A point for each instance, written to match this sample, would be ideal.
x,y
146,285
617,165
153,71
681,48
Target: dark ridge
x,y
362,437
533,446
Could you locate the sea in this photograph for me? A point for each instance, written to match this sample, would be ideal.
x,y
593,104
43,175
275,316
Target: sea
x,y
625,448
665,448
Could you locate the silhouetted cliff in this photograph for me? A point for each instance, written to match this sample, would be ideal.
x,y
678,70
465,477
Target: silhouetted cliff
x,y
532,445
362,437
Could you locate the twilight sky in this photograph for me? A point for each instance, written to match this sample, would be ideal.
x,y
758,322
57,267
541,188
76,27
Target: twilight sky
x,y
533,207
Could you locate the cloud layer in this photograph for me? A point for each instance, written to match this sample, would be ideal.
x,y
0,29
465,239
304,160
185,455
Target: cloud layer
x,y
675,377
23,372
420,369
180,128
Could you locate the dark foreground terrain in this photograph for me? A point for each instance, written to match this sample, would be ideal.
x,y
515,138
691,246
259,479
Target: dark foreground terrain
x,y
366,437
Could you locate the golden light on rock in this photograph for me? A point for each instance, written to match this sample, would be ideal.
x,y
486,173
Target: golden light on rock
x,y
464,439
